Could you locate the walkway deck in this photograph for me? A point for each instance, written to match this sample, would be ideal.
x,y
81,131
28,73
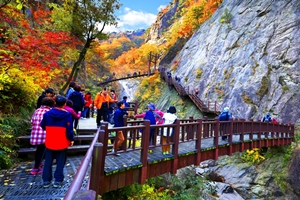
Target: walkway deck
x,y
17,183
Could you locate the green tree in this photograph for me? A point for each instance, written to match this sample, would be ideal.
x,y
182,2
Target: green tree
x,y
89,18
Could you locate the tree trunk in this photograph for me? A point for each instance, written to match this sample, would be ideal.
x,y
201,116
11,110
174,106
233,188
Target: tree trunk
x,y
76,66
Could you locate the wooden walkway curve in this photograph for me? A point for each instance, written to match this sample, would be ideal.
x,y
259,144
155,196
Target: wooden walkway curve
x,y
191,141
112,79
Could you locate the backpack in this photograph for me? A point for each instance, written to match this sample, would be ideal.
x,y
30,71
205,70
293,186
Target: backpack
x,y
224,116
159,120
111,119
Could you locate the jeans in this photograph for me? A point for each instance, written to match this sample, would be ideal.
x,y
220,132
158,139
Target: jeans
x,y
60,156
83,114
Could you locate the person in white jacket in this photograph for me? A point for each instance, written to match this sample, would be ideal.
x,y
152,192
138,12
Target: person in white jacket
x,y
169,118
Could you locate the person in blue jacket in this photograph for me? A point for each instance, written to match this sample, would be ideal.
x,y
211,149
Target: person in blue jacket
x,y
58,124
150,116
224,116
119,122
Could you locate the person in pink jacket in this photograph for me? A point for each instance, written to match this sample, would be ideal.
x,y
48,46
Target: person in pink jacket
x,y
158,114
71,110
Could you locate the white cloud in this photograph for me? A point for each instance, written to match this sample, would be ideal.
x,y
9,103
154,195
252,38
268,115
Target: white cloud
x,y
132,20
137,18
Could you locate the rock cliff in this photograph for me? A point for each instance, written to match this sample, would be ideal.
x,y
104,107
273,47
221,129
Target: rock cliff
x,y
248,61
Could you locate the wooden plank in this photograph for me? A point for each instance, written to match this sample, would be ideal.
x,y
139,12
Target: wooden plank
x,y
70,149
122,179
135,175
129,177
104,187
113,184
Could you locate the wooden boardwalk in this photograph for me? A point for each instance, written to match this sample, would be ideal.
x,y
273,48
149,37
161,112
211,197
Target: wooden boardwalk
x,y
192,142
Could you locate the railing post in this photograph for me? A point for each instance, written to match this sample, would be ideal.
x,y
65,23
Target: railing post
x,y
216,138
144,153
175,147
103,136
97,170
124,144
190,131
259,135
205,128
251,134
242,136
198,142
230,137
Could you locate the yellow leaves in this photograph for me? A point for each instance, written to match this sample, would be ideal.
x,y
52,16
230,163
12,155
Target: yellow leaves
x,y
252,156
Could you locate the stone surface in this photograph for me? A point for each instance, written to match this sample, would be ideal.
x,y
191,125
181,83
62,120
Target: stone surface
x,y
250,64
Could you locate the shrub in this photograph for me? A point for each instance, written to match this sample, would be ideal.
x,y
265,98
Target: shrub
x,y
226,17
252,156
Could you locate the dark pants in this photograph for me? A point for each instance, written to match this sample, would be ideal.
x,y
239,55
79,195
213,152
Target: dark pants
x,y
60,156
76,109
102,112
39,154
224,129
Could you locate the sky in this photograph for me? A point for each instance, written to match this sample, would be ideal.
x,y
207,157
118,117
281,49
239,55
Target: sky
x,y
137,14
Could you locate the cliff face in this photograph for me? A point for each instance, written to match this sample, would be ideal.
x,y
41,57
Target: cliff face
x,y
249,62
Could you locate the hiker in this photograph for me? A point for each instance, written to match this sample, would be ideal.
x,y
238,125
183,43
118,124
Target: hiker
x,y
274,121
70,89
119,122
38,135
125,102
196,91
69,108
112,107
78,102
224,116
59,136
101,103
49,92
267,118
150,116
169,118
158,114
87,105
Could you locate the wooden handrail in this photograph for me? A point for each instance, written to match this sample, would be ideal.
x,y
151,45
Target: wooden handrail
x,y
81,172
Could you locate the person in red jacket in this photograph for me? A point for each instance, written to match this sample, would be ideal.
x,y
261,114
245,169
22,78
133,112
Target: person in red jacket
x,y
88,104
58,124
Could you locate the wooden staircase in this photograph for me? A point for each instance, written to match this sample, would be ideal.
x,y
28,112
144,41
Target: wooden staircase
x,y
197,101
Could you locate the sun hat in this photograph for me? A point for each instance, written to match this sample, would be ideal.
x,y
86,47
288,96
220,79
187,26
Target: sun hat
x,y
226,109
151,106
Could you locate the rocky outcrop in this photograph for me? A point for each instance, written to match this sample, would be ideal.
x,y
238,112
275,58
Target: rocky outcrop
x,y
162,23
249,181
250,61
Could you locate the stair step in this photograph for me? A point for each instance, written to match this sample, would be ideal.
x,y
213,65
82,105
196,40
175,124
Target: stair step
x,y
76,137
75,148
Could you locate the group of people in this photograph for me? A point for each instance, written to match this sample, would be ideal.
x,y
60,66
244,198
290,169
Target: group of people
x,y
52,129
52,132
226,116
156,116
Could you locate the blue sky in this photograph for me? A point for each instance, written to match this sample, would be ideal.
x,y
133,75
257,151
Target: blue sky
x,y
137,14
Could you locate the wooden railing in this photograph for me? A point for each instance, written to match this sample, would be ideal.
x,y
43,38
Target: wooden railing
x,y
112,79
82,170
241,135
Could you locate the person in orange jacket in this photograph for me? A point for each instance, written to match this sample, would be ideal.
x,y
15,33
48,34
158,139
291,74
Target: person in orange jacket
x,y
101,103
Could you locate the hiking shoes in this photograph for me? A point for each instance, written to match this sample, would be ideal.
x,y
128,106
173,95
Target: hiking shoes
x,y
46,184
35,171
57,184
